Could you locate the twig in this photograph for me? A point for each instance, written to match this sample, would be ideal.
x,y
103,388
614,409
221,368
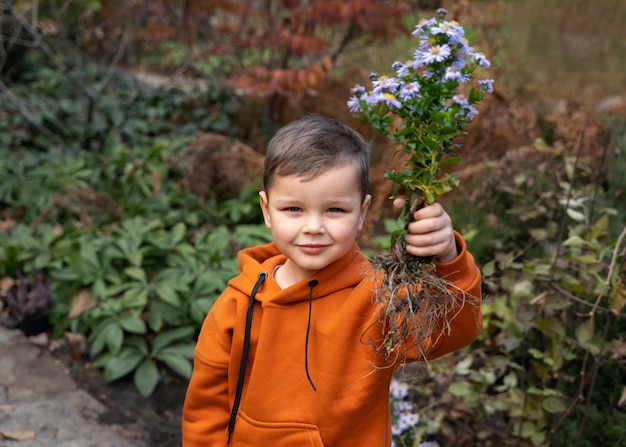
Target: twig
x,y
28,117
594,376
607,281
573,297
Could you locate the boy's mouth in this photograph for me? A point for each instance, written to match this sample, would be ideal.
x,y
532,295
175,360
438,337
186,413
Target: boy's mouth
x,y
312,249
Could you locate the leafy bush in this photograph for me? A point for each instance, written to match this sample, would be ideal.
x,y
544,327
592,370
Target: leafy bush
x,y
95,104
544,369
134,260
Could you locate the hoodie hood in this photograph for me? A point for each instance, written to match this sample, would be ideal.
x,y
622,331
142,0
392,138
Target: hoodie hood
x,y
341,274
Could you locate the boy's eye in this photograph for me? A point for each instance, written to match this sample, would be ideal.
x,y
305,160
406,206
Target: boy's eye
x,y
293,209
335,210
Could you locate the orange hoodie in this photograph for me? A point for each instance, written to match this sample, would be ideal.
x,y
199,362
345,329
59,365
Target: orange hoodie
x,y
307,379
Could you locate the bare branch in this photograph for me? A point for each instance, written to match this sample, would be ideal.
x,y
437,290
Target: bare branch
x,y
28,117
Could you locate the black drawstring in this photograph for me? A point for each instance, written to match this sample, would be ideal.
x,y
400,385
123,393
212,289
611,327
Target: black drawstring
x,y
312,284
244,355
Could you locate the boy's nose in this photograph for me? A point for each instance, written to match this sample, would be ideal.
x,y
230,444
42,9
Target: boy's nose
x,y
313,225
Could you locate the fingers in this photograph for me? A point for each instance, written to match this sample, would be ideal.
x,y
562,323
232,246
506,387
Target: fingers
x,y
431,234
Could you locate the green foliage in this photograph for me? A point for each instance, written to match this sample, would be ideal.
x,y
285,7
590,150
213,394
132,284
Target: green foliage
x,y
134,260
425,106
542,371
94,107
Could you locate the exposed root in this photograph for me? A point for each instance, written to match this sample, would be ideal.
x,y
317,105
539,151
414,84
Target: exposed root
x,y
415,307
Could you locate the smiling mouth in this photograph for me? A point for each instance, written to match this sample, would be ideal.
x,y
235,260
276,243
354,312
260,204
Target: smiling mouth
x,y
312,249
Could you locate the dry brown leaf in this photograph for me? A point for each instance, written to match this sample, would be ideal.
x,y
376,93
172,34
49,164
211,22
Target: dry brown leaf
x,y
618,349
18,435
617,300
81,302
5,285
129,434
40,339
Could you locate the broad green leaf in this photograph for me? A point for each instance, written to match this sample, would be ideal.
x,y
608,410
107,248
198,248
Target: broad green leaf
x,y
464,366
178,233
114,337
122,364
584,331
186,350
180,365
587,259
146,377
553,404
166,338
133,324
489,268
135,297
461,389
136,273
600,227
167,293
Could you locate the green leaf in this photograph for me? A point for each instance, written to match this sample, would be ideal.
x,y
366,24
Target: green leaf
x,y
553,404
133,324
461,389
166,338
600,227
122,364
180,365
136,273
114,337
167,293
489,268
186,350
136,296
464,366
178,233
146,377
587,259
584,332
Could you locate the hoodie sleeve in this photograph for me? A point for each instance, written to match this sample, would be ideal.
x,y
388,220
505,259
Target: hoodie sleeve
x,y
465,319
206,410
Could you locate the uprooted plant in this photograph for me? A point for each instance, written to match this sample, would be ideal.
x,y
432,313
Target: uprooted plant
x,y
421,110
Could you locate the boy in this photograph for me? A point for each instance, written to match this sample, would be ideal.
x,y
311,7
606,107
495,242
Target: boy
x,y
280,360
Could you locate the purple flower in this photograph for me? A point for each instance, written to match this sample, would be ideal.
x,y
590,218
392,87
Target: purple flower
x,y
402,69
481,60
454,74
450,29
409,91
385,84
382,98
437,53
486,85
398,389
354,104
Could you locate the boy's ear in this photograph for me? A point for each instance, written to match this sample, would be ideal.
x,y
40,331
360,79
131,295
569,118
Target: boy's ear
x,y
263,200
364,207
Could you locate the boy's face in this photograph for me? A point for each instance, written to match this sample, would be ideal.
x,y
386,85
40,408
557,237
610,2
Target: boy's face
x,y
314,222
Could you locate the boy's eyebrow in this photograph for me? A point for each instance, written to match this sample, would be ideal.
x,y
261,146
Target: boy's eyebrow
x,y
289,199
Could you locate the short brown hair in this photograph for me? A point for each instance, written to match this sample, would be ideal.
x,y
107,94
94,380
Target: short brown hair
x,y
312,145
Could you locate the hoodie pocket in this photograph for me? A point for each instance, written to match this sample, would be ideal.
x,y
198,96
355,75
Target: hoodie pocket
x,y
251,433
